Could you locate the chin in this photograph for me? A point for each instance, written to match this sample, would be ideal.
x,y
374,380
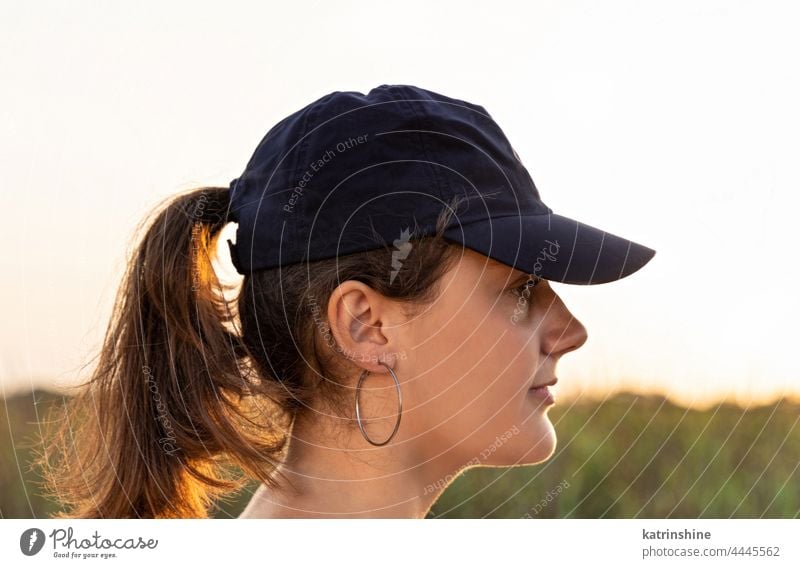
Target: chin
x,y
534,443
543,442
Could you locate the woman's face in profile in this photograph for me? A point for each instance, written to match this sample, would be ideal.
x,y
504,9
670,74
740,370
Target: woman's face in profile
x,y
473,356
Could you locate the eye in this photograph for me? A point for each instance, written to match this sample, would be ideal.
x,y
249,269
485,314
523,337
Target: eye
x,y
524,289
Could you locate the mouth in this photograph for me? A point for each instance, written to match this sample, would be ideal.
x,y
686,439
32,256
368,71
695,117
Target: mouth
x,y
550,383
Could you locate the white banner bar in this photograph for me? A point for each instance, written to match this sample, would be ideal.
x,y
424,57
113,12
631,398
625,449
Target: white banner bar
x,y
398,542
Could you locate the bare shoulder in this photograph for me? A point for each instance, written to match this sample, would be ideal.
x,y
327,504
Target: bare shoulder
x,y
254,508
263,506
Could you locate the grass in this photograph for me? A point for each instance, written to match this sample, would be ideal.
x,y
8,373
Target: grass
x,y
628,456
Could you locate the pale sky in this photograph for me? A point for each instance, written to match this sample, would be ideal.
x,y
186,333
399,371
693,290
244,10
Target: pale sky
x,y
674,124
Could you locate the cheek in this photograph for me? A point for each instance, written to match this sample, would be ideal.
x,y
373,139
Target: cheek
x,y
510,427
476,374
479,353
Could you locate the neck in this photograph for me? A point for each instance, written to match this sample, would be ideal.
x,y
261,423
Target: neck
x,y
347,477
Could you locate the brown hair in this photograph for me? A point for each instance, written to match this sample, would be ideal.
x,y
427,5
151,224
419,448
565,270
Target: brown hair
x,y
194,393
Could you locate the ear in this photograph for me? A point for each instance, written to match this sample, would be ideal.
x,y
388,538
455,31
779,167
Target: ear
x,y
364,324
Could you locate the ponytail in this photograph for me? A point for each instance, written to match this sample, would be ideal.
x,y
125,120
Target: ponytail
x,y
168,421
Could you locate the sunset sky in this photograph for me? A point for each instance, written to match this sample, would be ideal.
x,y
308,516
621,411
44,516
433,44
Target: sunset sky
x,y
672,124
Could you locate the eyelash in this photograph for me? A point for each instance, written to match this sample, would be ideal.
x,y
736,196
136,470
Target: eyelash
x,y
520,290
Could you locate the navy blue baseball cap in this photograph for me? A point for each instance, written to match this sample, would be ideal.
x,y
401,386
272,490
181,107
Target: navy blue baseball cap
x,y
352,172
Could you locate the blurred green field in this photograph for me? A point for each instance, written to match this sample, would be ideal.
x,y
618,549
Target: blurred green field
x,y
628,456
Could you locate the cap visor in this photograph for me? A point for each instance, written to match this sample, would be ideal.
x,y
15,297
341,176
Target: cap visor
x,y
554,247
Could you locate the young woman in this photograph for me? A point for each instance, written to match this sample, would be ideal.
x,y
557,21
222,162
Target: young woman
x,y
395,323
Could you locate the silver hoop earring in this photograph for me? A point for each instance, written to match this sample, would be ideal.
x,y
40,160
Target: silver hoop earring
x,y
399,406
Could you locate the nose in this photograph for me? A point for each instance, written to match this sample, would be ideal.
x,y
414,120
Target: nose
x,y
563,331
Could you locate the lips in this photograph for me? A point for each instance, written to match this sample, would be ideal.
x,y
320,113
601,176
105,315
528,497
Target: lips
x,y
553,381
